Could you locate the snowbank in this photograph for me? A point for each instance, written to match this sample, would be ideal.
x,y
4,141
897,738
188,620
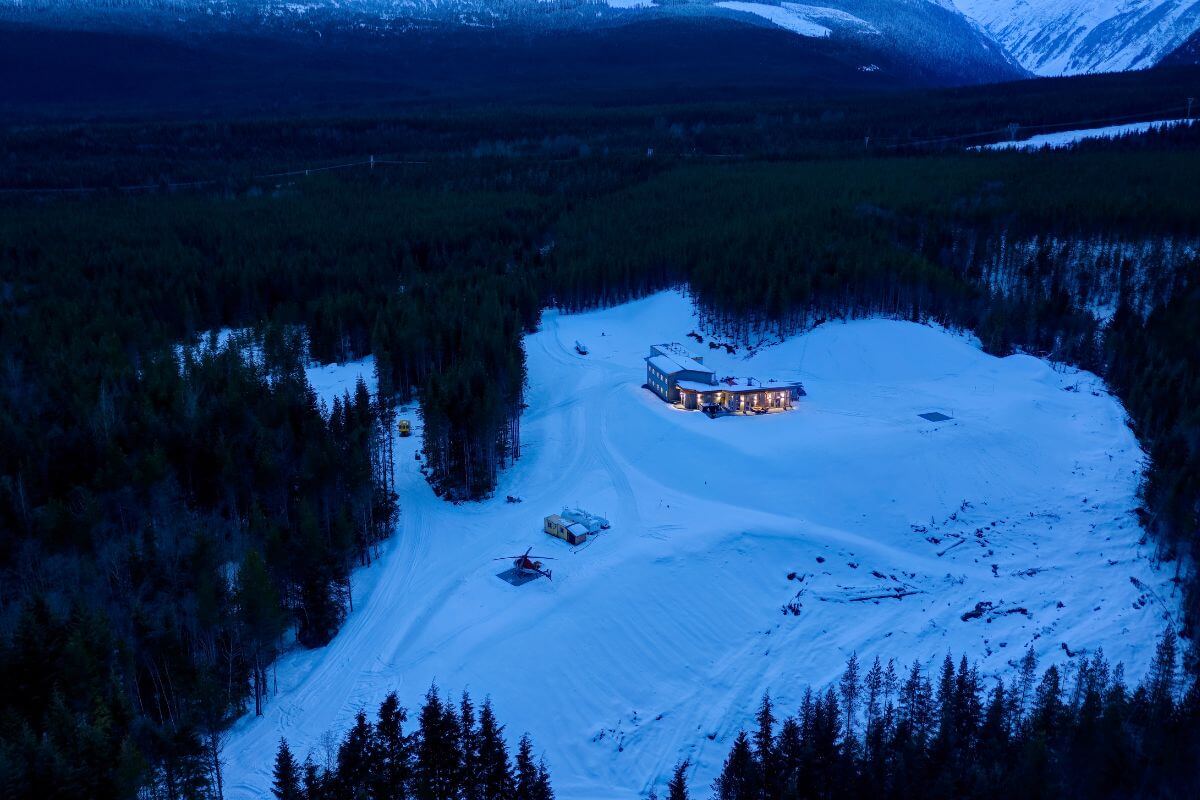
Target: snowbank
x,y
658,637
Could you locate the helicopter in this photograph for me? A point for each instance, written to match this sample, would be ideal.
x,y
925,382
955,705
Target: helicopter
x,y
525,563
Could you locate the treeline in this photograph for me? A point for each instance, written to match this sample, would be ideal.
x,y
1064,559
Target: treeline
x,y
885,731
455,753
144,149
457,341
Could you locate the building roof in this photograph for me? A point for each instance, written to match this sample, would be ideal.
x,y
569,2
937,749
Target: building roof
x,y
665,365
672,357
576,528
739,386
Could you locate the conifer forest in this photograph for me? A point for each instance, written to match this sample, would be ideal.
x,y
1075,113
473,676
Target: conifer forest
x,y
180,509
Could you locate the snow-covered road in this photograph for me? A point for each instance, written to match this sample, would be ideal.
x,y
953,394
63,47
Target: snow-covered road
x,y
657,639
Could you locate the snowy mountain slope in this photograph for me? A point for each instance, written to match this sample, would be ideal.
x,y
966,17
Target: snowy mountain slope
x,y
802,19
923,34
1062,37
1012,524
1186,54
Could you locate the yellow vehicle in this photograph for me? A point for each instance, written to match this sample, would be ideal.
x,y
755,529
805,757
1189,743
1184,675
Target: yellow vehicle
x,y
405,428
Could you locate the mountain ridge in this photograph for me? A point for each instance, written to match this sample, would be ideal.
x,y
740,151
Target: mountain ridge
x,y
990,39
1065,37
925,32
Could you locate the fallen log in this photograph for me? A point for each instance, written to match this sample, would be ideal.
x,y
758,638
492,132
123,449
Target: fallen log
x,y
891,596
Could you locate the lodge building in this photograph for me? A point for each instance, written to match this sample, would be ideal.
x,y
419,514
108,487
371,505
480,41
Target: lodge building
x,y
682,379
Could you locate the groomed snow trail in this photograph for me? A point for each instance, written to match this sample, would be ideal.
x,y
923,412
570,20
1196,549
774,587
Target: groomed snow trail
x,y
657,639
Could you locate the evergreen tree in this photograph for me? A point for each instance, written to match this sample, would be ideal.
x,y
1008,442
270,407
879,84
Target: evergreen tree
x,y
541,787
495,771
437,772
469,744
358,761
526,787
286,782
1023,690
677,788
1162,683
394,752
260,617
849,688
764,750
739,776
314,781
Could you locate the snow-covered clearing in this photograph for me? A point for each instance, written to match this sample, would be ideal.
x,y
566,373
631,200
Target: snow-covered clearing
x,y
329,381
335,380
1010,524
1068,138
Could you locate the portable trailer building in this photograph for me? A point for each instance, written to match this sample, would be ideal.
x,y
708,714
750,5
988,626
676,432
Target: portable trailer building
x,y
570,532
593,522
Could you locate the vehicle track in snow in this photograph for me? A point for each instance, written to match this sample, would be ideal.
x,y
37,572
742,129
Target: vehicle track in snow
x,y
666,630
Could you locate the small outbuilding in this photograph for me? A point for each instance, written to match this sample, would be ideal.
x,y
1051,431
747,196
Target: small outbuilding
x,y
565,529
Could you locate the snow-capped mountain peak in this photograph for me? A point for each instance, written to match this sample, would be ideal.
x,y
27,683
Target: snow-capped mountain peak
x,y
1062,37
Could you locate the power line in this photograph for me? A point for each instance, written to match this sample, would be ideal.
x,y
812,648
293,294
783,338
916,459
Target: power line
x,y
141,187
897,143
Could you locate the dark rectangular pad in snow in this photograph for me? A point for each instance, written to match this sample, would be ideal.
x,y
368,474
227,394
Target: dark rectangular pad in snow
x,y
516,577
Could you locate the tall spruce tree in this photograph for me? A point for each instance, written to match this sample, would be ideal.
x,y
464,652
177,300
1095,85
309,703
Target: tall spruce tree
x,y
437,772
526,787
764,750
495,771
261,619
469,745
358,761
394,752
285,784
677,788
739,778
